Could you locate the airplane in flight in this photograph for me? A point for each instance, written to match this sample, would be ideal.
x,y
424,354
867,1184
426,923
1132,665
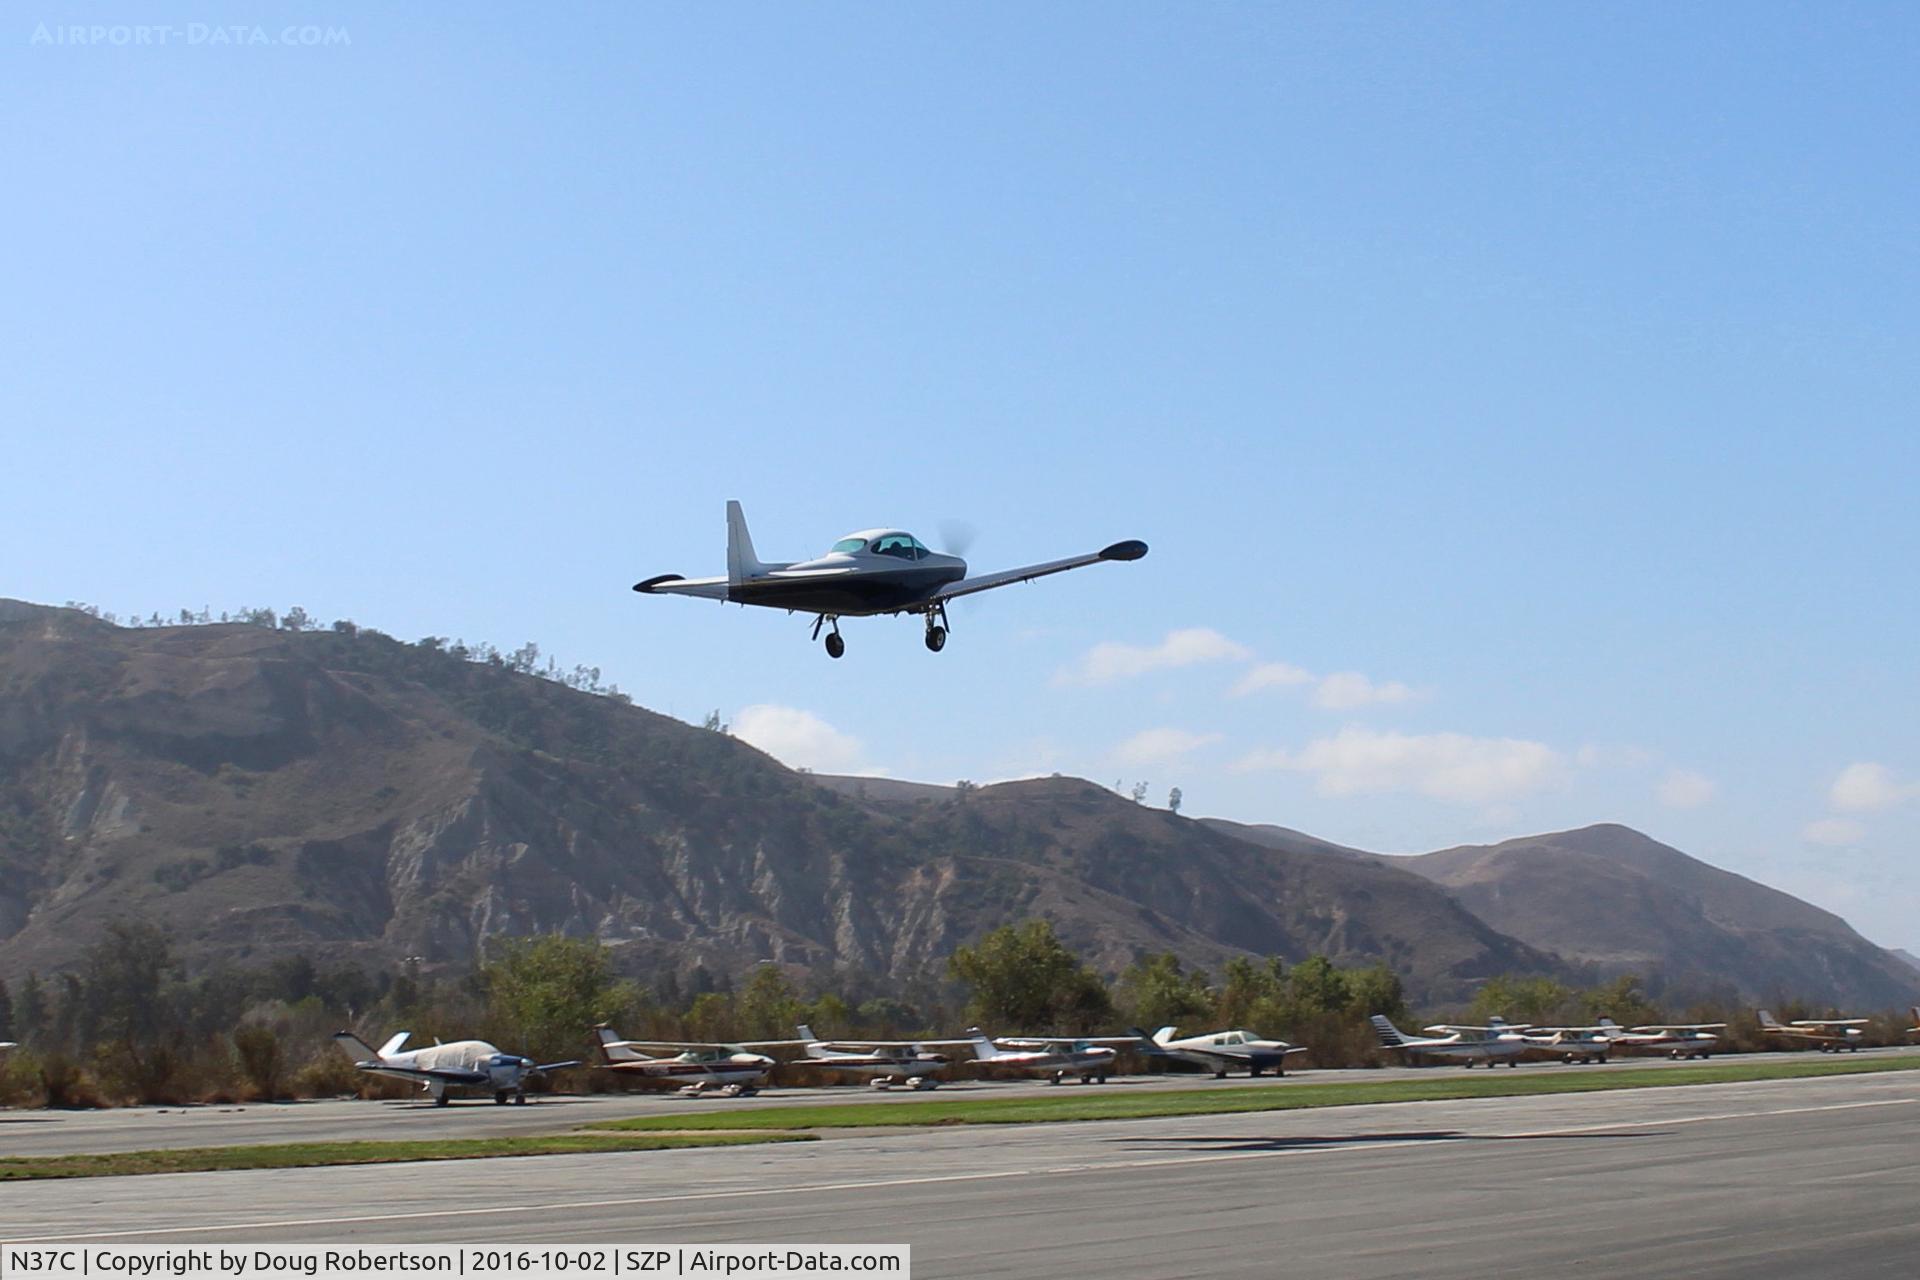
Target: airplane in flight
x,y
884,1062
1051,1057
464,1064
1674,1040
728,1069
1220,1051
1492,1044
872,572
1828,1035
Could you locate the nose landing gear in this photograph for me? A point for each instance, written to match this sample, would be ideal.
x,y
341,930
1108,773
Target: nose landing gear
x,y
937,628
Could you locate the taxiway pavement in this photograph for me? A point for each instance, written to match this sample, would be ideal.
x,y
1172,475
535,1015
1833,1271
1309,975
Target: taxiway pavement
x,y
1716,1180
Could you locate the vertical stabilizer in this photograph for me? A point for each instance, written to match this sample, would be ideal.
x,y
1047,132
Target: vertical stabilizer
x,y
1767,1019
356,1048
392,1046
613,1048
1390,1036
741,562
985,1049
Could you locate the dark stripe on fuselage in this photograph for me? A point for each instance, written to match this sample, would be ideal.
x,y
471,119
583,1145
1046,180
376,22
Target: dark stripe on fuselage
x,y
859,593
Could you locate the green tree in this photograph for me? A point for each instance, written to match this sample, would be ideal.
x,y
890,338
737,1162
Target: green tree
x,y
1024,978
30,1010
1317,987
543,993
1375,990
1155,992
6,1011
124,1010
1521,999
1623,1001
1247,986
767,1007
710,1017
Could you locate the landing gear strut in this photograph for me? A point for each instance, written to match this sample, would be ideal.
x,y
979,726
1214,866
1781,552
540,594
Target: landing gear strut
x,y
937,628
835,645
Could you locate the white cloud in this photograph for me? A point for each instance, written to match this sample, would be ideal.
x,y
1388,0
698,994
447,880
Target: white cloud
x,y
1445,766
800,739
1685,789
1110,661
1272,675
1160,746
1344,690
1835,832
1864,786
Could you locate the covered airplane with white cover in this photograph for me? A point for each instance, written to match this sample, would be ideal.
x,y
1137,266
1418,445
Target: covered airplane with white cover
x,y
1221,1051
465,1064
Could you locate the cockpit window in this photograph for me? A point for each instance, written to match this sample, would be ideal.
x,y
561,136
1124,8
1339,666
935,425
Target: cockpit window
x,y
903,545
850,544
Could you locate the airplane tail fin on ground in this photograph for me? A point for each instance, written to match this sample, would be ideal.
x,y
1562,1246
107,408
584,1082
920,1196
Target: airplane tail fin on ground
x,y
1608,1023
1767,1019
356,1048
806,1032
1164,1034
613,1047
394,1041
1390,1035
741,562
983,1047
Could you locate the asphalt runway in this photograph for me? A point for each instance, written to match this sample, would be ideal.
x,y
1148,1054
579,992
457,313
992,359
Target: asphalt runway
x,y
1718,1180
44,1133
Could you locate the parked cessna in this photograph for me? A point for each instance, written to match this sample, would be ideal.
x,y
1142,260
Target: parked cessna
x,y
728,1069
1675,1040
1828,1035
1054,1058
1565,1044
872,572
1494,1043
885,1062
1220,1051
464,1064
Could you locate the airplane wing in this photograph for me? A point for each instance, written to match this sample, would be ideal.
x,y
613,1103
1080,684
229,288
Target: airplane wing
x,y
674,584
1683,1026
1831,1022
443,1075
555,1066
1132,549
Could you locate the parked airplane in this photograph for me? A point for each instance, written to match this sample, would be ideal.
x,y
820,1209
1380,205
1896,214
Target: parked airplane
x,y
867,573
1675,1040
1914,1030
1564,1044
1219,1051
726,1068
464,1064
1054,1058
885,1062
1497,1042
1814,1031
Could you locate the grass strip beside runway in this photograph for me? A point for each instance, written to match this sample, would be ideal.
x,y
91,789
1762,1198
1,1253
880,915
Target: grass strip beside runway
x,y
1091,1102
302,1155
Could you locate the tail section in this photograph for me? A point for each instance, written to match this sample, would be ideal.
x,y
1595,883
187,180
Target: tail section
x,y
984,1049
1606,1024
614,1048
741,562
1767,1020
1165,1034
806,1032
356,1048
392,1046
1390,1036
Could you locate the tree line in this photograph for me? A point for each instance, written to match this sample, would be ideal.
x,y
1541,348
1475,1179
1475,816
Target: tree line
x,y
129,1025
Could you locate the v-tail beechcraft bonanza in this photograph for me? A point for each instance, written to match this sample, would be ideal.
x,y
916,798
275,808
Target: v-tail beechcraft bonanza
x,y
864,574
464,1064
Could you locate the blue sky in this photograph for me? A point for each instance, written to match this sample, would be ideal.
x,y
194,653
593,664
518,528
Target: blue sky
x,y
1521,400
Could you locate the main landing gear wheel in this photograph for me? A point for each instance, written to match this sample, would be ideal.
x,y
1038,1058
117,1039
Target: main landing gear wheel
x,y
936,638
835,645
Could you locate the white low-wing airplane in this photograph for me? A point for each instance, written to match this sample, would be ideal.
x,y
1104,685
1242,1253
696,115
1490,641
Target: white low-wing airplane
x,y
464,1064
1055,1058
1674,1040
729,1069
884,1062
1221,1051
1828,1035
871,572
1495,1043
